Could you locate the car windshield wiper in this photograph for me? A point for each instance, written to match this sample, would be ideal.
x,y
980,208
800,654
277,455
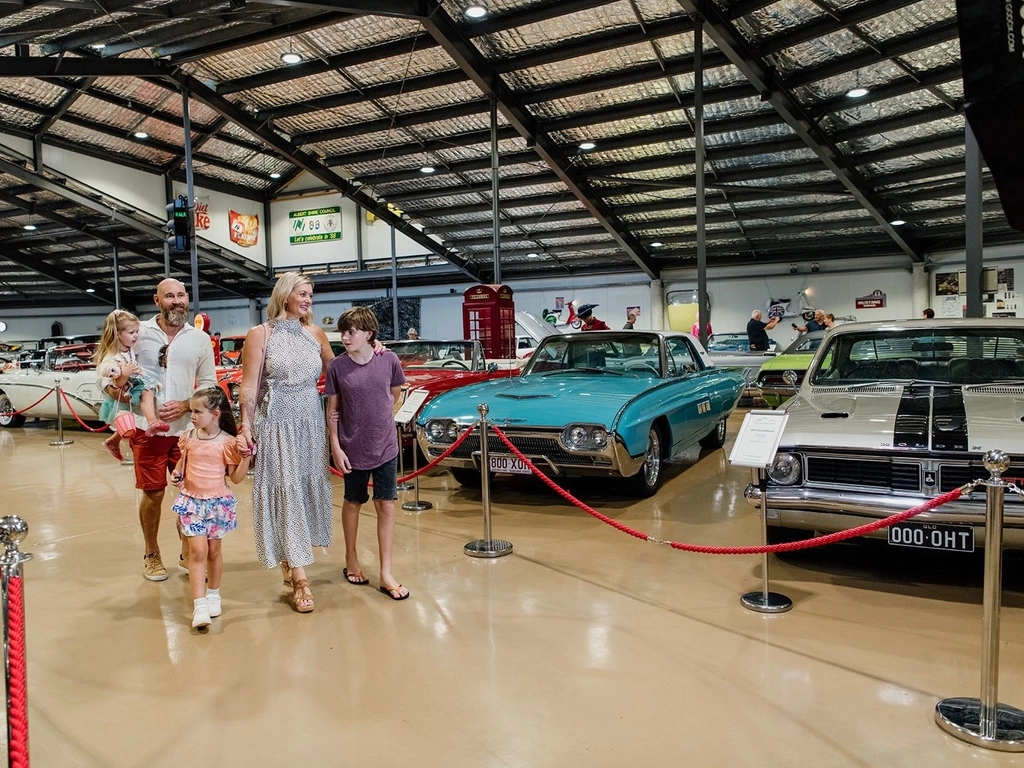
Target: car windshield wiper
x,y
582,369
1004,382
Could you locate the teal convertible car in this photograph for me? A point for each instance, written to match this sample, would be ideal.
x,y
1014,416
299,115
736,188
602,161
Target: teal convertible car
x,y
599,403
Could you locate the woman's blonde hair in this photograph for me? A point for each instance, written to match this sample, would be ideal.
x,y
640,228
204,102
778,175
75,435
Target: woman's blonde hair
x,y
116,322
283,288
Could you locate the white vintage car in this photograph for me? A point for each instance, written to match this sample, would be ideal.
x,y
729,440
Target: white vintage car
x,y
891,414
72,366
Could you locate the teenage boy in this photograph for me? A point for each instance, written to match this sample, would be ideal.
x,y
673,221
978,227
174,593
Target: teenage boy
x,y
362,389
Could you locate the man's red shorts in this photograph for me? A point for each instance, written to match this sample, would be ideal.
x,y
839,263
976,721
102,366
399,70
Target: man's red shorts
x,y
155,456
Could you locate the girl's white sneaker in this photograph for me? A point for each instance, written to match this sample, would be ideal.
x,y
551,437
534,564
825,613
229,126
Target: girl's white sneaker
x,y
201,614
213,600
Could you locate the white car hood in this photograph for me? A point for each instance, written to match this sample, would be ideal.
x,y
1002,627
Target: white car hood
x,y
866,418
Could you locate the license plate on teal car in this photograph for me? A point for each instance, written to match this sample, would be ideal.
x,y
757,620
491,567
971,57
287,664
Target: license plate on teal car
x,y
510,464
949,538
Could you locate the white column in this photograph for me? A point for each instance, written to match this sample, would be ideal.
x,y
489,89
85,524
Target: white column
x,y
658,320
920,294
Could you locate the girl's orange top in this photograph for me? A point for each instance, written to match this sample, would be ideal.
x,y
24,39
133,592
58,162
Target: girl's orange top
x,y
206,463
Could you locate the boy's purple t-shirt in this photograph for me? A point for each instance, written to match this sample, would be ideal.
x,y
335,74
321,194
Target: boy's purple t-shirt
x,y
366,428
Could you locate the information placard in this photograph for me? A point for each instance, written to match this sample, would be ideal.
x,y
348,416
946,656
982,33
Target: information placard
x,y
414,398
758,439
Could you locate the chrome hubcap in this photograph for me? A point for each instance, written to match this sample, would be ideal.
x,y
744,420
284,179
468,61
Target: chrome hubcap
x,y
652,458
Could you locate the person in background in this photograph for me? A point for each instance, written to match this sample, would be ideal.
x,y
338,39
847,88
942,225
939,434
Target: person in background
x,y
362,389
830,321
179,356
695,330
928,313
591,323
817,324
630,320
757,331
281,415
412,334
205,505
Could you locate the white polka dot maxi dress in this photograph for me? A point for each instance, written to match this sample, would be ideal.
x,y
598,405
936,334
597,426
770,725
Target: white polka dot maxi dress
x,y
291,490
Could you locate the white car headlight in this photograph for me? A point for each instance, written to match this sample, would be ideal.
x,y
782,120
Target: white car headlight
x,y
453,431
575,437
599,437
436,430
785,469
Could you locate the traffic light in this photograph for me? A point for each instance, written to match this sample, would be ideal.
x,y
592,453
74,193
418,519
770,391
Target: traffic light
x,y
180,223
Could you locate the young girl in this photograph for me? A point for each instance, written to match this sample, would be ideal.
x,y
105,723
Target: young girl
x,y
205,506
117,367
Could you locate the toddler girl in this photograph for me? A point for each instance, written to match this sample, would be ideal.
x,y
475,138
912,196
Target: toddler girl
x,y
117,367
205,506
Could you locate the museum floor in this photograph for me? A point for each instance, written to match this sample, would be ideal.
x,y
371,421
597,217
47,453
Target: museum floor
x,y
585,647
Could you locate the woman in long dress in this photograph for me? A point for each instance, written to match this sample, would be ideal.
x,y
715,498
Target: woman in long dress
x,y
282,417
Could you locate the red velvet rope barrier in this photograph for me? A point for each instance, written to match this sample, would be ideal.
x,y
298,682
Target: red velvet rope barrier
x,y
30,407
435,462
818,541
82,423
17,750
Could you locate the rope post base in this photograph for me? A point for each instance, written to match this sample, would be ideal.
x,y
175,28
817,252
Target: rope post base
x,y
766,602
406,486
488,548
984,722
58,393
962,717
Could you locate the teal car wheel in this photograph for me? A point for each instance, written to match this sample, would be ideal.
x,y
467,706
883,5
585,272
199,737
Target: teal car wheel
x,y
716,437
647,481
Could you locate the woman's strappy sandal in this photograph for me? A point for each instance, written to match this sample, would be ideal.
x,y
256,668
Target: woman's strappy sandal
x,y
302,598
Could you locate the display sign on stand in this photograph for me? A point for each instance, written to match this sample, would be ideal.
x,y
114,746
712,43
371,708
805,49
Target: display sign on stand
x,y
755,447
414,398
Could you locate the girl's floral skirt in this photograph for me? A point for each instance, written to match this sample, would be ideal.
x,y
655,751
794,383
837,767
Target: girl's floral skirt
x,y
211,518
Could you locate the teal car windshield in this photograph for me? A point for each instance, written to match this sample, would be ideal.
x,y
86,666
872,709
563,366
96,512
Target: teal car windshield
x,y
948,356
614,353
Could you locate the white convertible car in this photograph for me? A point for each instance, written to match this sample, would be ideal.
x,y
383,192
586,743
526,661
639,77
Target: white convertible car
x,y
72,366
892,414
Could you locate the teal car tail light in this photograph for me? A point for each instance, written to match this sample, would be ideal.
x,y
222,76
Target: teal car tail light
x,y
584,437
786,469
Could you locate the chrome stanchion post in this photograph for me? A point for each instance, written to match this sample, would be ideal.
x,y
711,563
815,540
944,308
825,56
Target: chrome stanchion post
x,y
985,722
764,601
416,505
486,547
401,462
59,394
12,530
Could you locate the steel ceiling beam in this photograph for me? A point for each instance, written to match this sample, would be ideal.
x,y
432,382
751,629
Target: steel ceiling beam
x,y
143,227
61,276
287,150
443,29
726,37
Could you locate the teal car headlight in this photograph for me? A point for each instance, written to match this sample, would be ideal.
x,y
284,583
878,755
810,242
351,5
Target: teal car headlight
x,y
437,430
785,469
584,437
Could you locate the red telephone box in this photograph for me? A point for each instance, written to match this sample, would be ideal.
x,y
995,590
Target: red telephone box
x,y
489,314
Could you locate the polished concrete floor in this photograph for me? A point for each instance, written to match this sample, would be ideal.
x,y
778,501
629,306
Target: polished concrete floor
x,y
585,647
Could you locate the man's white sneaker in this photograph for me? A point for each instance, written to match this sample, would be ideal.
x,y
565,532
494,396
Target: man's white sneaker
x,y
201,614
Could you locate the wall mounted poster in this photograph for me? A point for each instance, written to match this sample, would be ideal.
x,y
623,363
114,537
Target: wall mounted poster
x,y
244,229
202,213
947,283
314,225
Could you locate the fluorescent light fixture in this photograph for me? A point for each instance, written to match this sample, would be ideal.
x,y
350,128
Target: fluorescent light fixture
x,y
657,244
275,175
140,135
90,290
856,93
586,146
291,57
897,222
98,46
475,12
427,169
533,255
30,227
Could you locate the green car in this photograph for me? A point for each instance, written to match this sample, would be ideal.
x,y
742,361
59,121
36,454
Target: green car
x,y
796,358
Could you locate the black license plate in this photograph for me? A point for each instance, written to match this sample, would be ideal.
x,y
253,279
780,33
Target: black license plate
x,y
951,538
